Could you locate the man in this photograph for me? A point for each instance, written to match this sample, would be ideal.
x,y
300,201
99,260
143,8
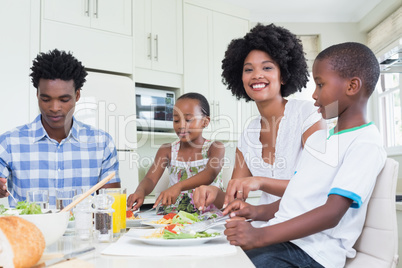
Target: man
x,y
55,150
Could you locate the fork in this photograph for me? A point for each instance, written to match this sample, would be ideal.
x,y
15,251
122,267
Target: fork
x,y
204,225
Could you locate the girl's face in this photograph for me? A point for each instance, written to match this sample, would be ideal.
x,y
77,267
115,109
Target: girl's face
x,y
188,120
261,76
330,90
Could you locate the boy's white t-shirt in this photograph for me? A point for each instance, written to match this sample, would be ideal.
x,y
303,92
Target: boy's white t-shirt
x,y
299,115
346,163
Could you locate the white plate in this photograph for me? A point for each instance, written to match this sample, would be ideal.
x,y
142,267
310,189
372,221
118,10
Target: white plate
x,y
155,225
134,223
171,242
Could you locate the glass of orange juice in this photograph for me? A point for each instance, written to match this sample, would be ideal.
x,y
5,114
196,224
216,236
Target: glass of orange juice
x,y
123,208
117,223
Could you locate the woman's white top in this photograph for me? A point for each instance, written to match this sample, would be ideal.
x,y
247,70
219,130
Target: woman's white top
x,y
299,115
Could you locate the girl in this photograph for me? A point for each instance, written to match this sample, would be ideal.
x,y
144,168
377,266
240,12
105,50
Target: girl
x,y
192,160
265,66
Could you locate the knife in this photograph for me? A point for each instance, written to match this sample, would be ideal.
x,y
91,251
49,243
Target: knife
x,y
66,257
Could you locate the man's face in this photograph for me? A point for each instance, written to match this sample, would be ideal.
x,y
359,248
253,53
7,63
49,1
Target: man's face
x,y
56,99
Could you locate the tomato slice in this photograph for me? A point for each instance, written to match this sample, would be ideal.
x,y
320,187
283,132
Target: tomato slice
x,y
170,228
169,216
129,214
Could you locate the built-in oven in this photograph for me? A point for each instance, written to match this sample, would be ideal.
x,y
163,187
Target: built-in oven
x,y
154,108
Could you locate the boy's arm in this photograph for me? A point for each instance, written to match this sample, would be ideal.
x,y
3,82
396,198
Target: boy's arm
x,y
241,233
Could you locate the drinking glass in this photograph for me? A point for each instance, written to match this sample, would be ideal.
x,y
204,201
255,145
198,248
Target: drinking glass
x,y
117,218
64,197
40,197
123,208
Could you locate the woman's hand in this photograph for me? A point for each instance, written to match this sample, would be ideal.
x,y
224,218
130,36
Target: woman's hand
x,y
169,196
204,196
135,200
239,188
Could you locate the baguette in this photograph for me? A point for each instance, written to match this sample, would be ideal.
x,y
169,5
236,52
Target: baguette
x,y
21,242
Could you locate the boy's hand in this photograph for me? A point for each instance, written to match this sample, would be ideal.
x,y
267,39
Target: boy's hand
x,y
239,188
136,199
3,188
239,208
169,196
204,196
241,233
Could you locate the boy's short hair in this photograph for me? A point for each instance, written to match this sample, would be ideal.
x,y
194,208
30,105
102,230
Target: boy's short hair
x,y
204,104
353,60
57,64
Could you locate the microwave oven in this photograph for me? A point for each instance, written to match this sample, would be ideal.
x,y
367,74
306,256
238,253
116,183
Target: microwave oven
x,y
154,109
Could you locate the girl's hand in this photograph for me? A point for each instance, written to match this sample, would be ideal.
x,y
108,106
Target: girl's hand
x,y
239,188
241,233
136,199
204,196
169,196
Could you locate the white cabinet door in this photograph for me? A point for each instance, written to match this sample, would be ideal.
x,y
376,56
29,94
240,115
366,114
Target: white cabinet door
x,y
197,59
113,16
159,37
228,110
207,34
73,12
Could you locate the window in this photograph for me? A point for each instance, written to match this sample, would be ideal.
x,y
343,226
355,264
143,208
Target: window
x,y
389,110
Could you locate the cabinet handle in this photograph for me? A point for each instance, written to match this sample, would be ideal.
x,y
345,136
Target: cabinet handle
x,y
149,46
156,47
86,12
218,111
96,13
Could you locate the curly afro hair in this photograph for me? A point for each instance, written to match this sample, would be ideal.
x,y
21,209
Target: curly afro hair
x,y
58,65
280,44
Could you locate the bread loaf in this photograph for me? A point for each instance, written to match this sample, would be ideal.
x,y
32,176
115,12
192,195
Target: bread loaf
x,y
21,242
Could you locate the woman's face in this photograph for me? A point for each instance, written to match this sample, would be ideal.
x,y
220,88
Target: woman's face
x,y
261,76
188,120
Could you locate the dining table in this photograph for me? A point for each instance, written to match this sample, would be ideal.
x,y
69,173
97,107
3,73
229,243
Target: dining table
x,y
126,251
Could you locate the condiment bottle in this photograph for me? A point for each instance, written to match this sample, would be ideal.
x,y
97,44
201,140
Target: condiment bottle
x,y
103,231
83,218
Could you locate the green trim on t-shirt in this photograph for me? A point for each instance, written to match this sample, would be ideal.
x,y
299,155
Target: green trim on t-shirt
x,y
331,131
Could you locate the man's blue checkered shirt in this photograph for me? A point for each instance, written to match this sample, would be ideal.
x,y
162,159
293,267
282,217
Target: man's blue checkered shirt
x,y
30,160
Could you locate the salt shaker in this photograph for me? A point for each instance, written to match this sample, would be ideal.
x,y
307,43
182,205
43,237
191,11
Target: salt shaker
x,y
83,218
103,212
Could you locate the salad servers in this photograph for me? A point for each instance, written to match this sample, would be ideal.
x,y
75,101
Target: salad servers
x,y
205,225
12,196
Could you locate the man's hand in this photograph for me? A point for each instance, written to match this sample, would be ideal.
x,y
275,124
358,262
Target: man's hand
x,y
3,188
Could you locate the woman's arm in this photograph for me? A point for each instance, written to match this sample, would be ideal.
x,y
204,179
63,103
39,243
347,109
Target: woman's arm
x,y
152,177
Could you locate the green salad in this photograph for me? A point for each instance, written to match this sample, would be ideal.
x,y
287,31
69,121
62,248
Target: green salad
x,y
22,208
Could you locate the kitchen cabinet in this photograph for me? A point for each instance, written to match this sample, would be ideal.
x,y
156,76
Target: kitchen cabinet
x,y
159,35
207,34
113,16
97,32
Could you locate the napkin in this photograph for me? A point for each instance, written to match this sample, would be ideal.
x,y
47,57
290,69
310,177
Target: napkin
x,y
126,246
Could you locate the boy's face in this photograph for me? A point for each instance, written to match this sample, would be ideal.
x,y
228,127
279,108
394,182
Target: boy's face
x,y
188,120
330,90
56,99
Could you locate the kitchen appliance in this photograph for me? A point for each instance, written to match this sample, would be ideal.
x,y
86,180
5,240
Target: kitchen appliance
x,y
154,109
390,58
108,103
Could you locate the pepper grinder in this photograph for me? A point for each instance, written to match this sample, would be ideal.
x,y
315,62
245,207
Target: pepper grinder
x,y
103,212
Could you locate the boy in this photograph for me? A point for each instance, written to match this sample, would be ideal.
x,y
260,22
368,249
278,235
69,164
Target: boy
x,y
55,150
323,209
